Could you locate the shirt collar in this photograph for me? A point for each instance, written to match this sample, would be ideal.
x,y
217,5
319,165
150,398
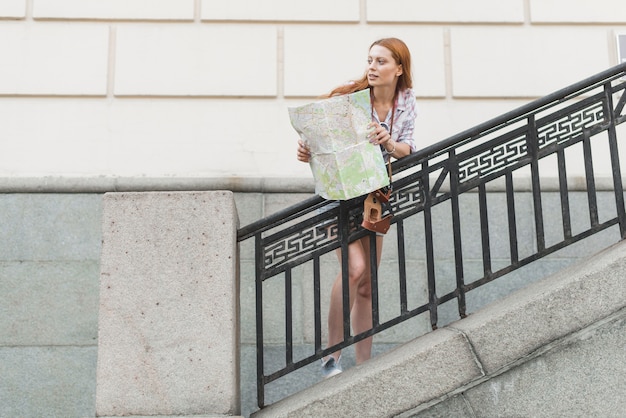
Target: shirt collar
x,y
401,101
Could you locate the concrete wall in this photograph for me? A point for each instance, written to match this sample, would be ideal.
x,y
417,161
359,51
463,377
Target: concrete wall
x,y
200,88
49,275
49,270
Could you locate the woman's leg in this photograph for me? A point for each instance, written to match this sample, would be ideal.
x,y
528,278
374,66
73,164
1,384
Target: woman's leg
x,y
356,272
361,313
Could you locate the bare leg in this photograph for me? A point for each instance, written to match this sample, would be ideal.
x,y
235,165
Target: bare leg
x,y
360,298
356,272
361,313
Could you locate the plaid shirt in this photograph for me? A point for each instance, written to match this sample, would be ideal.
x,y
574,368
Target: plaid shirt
x,y
403,121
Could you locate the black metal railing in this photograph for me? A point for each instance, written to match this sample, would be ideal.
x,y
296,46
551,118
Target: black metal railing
x,y
495,152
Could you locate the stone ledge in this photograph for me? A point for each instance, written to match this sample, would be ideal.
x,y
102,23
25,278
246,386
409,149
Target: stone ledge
x,y
545,311
386,385
103,184
548,380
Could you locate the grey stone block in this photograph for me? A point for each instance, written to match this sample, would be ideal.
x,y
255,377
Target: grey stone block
x,y
276,202
50,226
580,221
503,286
49,303
249,210
168,323
471,228
47,382
275,309
247,302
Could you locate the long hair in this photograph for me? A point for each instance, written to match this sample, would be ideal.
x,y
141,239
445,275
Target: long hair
x,y
402,56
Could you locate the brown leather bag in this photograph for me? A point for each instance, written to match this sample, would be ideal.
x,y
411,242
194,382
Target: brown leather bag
x,y
373,209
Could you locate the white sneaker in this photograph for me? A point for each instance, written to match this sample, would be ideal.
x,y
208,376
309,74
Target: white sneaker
x,y
331,367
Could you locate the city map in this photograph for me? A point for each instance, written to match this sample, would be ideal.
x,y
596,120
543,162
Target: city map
x,y
343,162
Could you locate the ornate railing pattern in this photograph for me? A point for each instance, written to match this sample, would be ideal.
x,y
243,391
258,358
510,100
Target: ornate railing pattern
x,y
440,173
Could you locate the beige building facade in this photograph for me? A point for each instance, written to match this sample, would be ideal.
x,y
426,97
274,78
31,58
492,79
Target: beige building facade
x,y
199,89
141,95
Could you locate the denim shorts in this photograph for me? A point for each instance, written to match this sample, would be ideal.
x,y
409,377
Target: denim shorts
x,y
335,204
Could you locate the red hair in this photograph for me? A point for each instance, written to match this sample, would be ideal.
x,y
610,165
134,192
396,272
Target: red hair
x,y
401,55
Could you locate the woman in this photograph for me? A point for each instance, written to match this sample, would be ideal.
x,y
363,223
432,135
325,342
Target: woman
x,y
388,76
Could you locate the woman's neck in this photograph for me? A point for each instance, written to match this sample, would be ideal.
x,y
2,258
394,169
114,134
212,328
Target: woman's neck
x,y
383,96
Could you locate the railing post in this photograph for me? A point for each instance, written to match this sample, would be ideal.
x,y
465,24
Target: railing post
x,y
168,337
430,251
615,162
456,228
533,151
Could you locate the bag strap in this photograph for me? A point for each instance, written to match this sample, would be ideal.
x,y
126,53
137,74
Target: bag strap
x,y
393,113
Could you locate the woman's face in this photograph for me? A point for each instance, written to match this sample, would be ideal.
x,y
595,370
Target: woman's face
x,y
382,69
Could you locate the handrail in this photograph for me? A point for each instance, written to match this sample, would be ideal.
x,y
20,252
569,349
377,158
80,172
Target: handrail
x,y
577,89
546,129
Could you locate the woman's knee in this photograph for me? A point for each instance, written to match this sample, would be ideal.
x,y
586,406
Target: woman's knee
x,y
364,289
357,272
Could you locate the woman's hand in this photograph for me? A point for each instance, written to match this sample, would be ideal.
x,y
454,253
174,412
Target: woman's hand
x,y
304,154
381,136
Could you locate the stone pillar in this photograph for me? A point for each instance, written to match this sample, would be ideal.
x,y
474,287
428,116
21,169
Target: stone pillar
x,y
168,332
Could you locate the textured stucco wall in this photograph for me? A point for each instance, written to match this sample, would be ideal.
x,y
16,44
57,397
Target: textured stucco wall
x,y
200,88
